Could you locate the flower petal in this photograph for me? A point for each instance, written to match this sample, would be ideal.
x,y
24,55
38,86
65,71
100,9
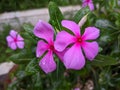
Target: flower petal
x,y
91,33
13,46
60,54
63,39
90,49
13,33
44,30
77,88
19,38
88,3
47,63
91,6
41,48
84,3
20,44
73,58
9,40
71,25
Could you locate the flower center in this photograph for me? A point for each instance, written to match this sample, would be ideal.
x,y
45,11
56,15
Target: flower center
x,y
51,47
79,40
87,0
15,40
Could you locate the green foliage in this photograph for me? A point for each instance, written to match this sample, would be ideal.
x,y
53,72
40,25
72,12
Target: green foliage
x,y
82,12
32,66
29,32
3,44
12,5
55,16
20,57
103,70
119,41
102,60
102,23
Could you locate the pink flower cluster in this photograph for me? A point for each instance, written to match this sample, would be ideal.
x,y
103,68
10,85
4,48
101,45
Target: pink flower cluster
x,y
69,47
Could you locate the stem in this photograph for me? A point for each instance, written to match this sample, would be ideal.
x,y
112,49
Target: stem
x,y
96,80
58,68
115,33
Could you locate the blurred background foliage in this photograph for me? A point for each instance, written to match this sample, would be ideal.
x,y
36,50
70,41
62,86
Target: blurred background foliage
x,y
14,5
104,71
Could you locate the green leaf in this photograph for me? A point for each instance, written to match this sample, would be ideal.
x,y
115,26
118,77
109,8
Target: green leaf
x,y
80,14
113,3
103,23
37,81
21,74
105,77
32,67
102,60
55,16
119,41
20,58
13,85
28,28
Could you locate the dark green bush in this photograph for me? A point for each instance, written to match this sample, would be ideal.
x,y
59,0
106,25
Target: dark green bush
x,y
14,5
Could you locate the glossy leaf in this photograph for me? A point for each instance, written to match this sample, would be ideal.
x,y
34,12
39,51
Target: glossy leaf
x,y
80,14
55,16
37,81
102,60
21,74
20,58
119,41
102,23
32,67
29,30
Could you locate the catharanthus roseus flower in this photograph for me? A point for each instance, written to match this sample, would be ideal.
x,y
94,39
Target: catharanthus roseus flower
x,y
45,31
88,3
14,40
76,88
74,58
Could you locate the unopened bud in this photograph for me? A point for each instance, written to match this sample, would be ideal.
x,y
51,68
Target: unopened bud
x,y
82,21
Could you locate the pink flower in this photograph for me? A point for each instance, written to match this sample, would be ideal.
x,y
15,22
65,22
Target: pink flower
x,y
45,31
88,3
76,88
14,40
73,57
